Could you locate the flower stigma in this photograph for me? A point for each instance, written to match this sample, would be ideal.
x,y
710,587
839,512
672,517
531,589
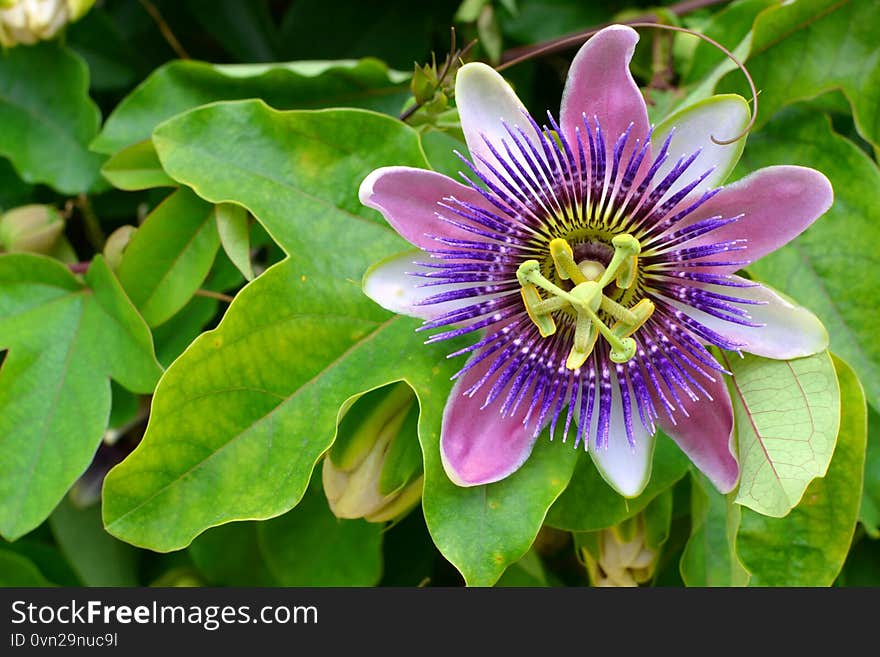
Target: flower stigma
x,y
586,298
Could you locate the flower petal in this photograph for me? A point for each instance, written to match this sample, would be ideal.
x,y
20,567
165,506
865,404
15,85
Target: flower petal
x,y
390,284
704,431
599,84
787,331
408,199
627,469
479,446
485,102
723,117
776,203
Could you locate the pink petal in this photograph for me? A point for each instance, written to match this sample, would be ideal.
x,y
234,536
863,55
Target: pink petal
x,y
408,199
703,429
599,84
485,102
777,203
786,331
479,446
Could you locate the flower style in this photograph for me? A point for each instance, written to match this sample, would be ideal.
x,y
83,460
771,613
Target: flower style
x,y
595,257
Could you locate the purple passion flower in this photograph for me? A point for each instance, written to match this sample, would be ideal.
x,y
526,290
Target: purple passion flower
x,y
592,260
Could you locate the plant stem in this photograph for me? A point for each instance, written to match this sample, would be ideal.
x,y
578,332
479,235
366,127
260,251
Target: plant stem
x,y
90,219
167,34
215,295
522,53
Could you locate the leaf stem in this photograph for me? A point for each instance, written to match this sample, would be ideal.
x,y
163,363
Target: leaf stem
x,y
167,34
215,295
93,227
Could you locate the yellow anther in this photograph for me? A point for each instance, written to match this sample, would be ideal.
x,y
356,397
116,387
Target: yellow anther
x,y
585,336
618,312
563,258
532,300
626,275
641,312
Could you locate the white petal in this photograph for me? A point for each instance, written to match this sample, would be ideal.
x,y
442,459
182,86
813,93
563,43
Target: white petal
x,y
723,117
388,284
485,102
626,469
787,331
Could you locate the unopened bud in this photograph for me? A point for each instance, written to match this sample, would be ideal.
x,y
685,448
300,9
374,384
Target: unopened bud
x,y
31,228
374,469
619,556
115,245
28,21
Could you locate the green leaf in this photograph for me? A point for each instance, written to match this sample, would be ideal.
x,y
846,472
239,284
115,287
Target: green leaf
x,y
246,29
302,332
182,85
65,341
175,335
309,546
48,118
484,529
98,558
729,26
397,31
18,570
809,546
709,557
658,520
870,509
589,503
809,269
136,167
169,256
802,49
786,418
232,225
230,555
528,571
861,568
45,556
13,190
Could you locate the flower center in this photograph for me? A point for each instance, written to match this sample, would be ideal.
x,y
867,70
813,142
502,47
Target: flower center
x,y
589,279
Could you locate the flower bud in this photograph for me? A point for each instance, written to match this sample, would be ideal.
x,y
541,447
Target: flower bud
x,y
374,469
31,228
115,245
619,555
29,21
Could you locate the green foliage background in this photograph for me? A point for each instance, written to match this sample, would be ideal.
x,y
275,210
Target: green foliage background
x,y
240,166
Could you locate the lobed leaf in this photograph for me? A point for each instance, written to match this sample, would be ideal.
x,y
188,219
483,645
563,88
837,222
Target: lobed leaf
x,y
65,340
